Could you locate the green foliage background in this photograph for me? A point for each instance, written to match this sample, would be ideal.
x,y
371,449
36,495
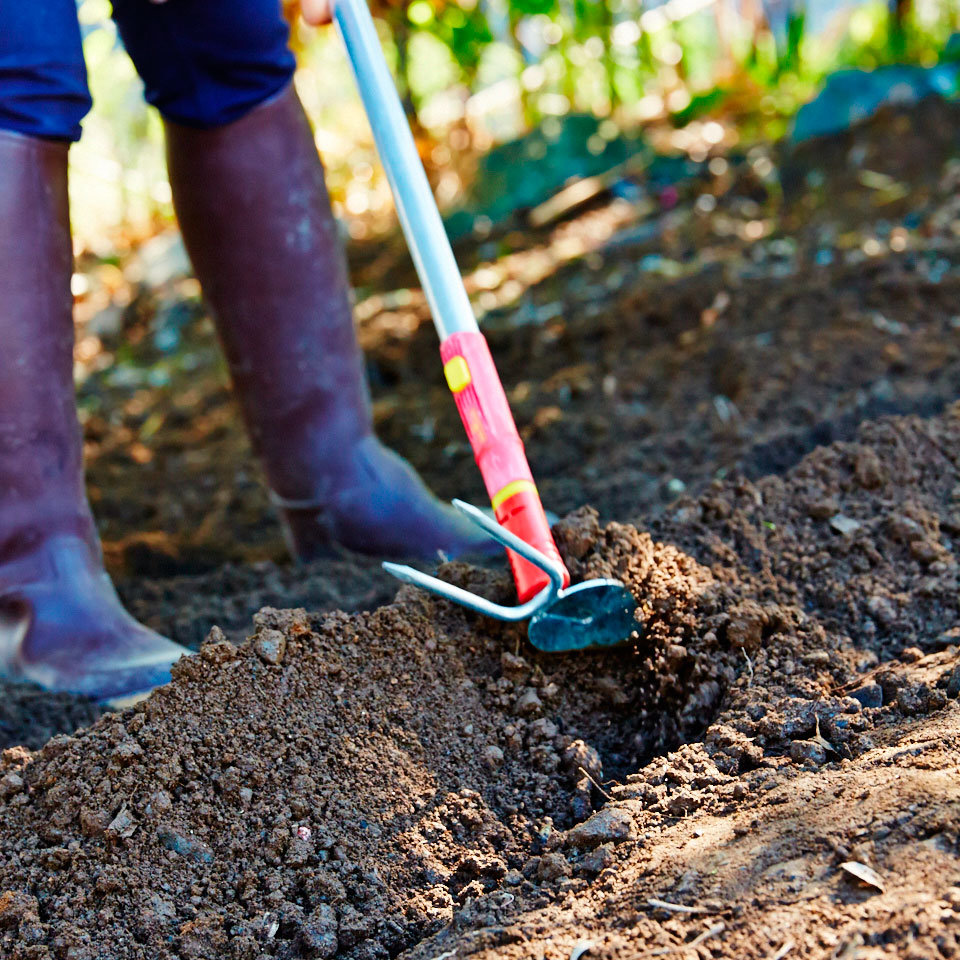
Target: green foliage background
x,y
477,72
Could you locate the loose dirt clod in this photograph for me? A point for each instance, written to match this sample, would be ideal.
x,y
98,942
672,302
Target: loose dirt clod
x,y
609,825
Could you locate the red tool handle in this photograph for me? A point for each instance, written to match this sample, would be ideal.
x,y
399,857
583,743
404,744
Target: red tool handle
x,y
498,450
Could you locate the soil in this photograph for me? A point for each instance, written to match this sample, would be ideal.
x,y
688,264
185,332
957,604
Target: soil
x,y
771,448
244,810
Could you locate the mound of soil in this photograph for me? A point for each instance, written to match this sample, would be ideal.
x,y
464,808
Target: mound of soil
x,y
620,413
418,779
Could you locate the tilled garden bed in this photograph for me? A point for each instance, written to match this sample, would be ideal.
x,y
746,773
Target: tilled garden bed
x,y
416,778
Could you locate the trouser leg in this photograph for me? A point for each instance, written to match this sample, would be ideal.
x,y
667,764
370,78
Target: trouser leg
x,y
43,80
206,63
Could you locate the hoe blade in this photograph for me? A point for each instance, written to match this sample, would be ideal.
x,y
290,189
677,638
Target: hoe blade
x,y
590,615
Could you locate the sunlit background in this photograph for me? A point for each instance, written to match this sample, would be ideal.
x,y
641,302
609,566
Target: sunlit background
x,y
687,74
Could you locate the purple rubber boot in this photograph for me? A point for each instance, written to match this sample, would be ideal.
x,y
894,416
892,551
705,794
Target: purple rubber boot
x,y
61,623
257,223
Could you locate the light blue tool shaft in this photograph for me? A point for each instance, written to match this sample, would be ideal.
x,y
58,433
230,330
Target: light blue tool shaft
x,y
416,206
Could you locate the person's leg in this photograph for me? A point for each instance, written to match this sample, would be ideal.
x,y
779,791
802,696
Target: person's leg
x,y
61,623
249,193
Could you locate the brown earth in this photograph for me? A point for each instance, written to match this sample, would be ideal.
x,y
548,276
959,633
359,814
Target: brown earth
x,y
668,353
413,779
642,416
351,784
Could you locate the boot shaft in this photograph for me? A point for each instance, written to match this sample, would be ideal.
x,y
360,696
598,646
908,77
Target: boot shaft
x,y
257,224
256,221
41,472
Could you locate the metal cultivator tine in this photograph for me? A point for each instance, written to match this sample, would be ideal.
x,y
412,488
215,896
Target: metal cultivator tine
x,y
465,598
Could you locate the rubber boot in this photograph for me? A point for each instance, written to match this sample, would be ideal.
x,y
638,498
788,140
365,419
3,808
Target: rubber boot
x,y
258,227
61,622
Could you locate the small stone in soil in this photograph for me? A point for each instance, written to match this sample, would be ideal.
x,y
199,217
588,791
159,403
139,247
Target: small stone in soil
x,y
10,784
93,822
580,755
747,620
528,703
270,646
531,867
194,849
514,668
598,859
319,932
868,470
581,804
553,866
609,825
823,509
844,524
217,648
869,695
807,751
122,824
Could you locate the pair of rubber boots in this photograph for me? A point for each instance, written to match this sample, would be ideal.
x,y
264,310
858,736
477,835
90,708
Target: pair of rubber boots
x,y
256,220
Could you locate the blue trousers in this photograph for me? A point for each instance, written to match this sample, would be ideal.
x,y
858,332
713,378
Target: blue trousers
x,y
204,63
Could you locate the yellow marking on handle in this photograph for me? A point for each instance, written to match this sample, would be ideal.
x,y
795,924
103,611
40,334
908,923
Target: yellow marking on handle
x,y
518,486
474,427
457,373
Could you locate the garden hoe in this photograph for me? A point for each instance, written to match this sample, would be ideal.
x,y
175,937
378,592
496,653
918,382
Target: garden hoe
x,y
597,613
